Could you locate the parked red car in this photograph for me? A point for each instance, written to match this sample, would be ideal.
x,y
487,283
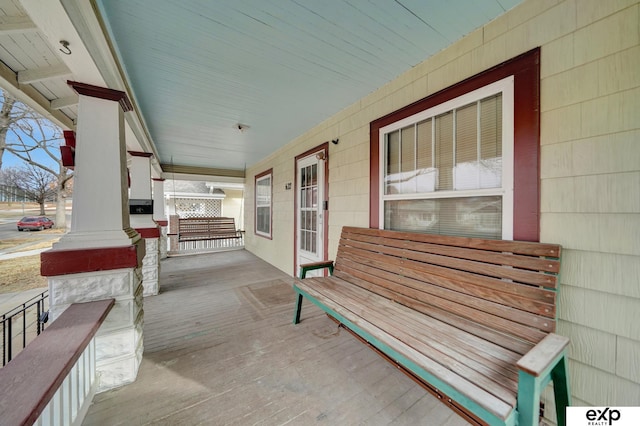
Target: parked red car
x,y
34,222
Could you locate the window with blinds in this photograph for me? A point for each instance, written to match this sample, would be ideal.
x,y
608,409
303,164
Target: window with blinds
x,y
263,204
445,171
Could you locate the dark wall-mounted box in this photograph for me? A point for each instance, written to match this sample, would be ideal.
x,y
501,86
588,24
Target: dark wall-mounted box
x,y
140,206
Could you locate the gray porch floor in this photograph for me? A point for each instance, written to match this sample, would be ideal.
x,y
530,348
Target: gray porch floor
x,y
220,348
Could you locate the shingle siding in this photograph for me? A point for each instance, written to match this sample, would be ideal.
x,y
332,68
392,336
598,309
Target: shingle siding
x,y
590,170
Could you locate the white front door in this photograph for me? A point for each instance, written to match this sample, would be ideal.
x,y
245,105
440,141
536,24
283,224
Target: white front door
x,y
310,187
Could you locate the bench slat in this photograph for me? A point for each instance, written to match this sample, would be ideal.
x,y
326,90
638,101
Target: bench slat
x,y
479,374
491,270
441,275
475,393
449,341
505,341
454,289
533,263
434,295
527,298
423,303
516,247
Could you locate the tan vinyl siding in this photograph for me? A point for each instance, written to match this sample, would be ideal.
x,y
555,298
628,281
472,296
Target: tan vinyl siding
x,y
590,170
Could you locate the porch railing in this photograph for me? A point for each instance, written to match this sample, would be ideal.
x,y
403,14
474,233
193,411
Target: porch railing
x,y
53,380
22,324
207,245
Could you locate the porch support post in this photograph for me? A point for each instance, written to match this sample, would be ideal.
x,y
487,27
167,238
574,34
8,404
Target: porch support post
x,y
142,219
159,215
101,257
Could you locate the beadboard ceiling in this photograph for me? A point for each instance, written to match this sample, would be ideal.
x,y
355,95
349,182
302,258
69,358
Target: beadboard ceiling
x,y
198,68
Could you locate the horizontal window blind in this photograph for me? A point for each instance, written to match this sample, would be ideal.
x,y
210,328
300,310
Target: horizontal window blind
x,y
437,172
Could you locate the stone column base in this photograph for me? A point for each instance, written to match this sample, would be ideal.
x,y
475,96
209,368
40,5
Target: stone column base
x,y
118,356
163,242
151,267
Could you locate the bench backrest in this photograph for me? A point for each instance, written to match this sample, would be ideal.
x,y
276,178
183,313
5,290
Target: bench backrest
x,y
505,290
211,225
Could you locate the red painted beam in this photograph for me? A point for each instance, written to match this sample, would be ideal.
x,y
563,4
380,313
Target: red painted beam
x,y
74,261
149,232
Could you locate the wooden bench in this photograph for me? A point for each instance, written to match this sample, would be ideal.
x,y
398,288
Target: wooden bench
x,y
472,320
207,228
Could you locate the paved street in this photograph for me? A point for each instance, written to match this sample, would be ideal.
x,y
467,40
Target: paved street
x,y
9,231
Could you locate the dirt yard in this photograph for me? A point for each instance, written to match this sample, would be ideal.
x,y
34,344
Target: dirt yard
x,y
23,273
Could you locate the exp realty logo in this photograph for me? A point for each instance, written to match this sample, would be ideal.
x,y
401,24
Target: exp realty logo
x,y
603,416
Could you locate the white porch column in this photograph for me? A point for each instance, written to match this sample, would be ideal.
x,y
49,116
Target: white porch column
x,y
142,219
101,257
159,215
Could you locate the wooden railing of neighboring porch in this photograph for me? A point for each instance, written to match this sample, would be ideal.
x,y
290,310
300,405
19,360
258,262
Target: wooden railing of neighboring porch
x,y
203,234
53,380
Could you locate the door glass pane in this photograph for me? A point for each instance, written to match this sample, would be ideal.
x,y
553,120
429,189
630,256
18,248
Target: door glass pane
x,y
314,174
308,208
314,242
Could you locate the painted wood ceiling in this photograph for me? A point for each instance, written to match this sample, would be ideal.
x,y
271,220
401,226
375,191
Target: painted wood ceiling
x,y
28,61
198,68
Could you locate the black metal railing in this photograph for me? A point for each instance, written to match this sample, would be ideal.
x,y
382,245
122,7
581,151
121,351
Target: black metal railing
x,y
22,323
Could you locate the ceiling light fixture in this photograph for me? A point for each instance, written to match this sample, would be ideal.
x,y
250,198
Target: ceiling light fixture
x,y
242,127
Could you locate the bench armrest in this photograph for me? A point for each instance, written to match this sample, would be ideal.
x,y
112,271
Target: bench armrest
x,y
543,356
305,267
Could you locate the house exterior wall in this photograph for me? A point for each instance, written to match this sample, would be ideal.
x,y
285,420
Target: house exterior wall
x,y
590,170
232,206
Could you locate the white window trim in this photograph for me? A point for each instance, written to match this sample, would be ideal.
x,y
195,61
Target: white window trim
x,y
504,86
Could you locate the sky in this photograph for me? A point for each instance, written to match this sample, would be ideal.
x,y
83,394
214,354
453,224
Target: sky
x,y
10,160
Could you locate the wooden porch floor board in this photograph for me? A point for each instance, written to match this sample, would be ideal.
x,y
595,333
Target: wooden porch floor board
x,y
221,349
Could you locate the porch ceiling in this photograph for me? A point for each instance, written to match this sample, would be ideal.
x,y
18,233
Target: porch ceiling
x,y
197,69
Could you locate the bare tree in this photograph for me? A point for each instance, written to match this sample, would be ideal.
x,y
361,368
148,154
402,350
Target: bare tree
x,y
37,184
8,115
24,132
